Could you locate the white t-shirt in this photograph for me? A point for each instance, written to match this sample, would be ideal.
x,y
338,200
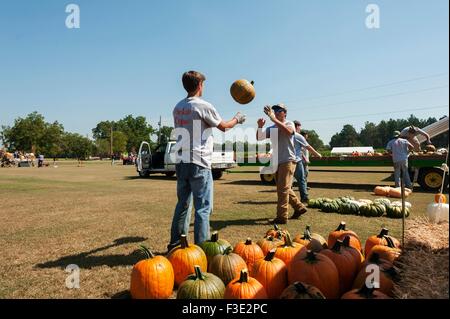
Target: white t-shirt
x,y
284,143
194,119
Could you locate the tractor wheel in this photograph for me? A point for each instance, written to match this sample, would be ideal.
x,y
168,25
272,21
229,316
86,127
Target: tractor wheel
x,y
430,179
217,174
268,179
170,174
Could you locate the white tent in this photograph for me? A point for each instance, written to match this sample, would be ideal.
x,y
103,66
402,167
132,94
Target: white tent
x,y
351,149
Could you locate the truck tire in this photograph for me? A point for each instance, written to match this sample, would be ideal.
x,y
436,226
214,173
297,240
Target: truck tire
x,y
217,174
170,174
268,179
144,174
430,179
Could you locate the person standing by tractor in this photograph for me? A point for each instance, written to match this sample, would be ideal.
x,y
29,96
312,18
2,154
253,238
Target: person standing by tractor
x,y
301,145
411,132
194,119
399,148
282,134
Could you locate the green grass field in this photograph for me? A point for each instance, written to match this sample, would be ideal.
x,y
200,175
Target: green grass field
x,y
95,216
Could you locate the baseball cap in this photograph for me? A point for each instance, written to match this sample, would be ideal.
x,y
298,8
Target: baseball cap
x,y
396,133
279,106
297,123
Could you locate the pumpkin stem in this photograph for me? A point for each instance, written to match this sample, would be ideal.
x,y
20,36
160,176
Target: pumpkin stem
x,y
288,240
390,242
300,287
384,232
337,246
270,255
228,250
346,241
310,256
244,275
275,226
248,241
198,273
374,258
307,233
252,82
215,236
341,226
147,252
184,242
366,291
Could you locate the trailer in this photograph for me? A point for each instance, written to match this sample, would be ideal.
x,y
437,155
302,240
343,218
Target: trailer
x,y
426,170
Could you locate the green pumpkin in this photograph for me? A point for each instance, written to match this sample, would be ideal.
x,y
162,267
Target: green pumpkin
x,y
383,201
201,286
214,246
396,212
313,203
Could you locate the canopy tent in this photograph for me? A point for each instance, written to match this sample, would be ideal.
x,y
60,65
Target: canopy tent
x,y
352,149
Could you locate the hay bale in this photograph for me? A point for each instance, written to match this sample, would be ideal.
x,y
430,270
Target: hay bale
x,y
424,263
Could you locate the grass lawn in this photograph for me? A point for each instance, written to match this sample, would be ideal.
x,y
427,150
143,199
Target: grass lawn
x,y
96,216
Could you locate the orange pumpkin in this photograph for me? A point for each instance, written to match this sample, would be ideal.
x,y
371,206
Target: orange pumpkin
x,y
440,198
183,259
288,250
242,91
317,270
379,239
311,241
387,274
275,232
345,265
340,234
300,290
249,251
227,266
245,287
381,191
389,252
356,254
268,243
152,278
271,272
364,293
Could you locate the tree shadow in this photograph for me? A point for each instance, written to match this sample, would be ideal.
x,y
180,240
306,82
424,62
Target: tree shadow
x,y
87,261
155,177
221,224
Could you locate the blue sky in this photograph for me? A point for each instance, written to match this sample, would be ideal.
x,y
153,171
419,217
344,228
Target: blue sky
x,y
316,56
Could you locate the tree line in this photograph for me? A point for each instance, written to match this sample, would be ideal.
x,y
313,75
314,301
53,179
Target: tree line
x,y
33,134
378,135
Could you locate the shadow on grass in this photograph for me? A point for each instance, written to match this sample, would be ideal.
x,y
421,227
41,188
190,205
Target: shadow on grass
x,y
221,224
251,202
87,261
125,294
155,177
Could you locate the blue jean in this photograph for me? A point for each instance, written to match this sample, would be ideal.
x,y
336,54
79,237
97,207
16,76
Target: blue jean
x,y
194,184
402,165
300,176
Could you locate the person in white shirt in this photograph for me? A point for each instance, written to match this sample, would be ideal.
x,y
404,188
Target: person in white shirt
x,y
194,119
410,133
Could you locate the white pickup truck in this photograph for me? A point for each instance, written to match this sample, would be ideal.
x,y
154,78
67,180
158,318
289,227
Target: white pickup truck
x,y
162,161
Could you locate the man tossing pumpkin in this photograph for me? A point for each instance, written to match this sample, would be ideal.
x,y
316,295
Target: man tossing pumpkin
x,y
281,134
410,133
194,119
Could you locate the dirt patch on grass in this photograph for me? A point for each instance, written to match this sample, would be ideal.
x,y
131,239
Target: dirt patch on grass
x,y
424,262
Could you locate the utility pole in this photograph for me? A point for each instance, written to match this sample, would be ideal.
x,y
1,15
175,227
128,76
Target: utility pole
x,y
111,145
159,130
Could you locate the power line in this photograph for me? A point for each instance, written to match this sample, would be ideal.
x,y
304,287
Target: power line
x,y
374,86
371,114
376,97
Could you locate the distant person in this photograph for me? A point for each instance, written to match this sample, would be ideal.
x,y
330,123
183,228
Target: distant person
x,y
283,146
40,160
301,144
194,119
411,132
399,148
305,157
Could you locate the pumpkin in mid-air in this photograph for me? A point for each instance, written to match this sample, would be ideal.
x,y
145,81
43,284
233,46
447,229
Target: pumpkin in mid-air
x,y
243,91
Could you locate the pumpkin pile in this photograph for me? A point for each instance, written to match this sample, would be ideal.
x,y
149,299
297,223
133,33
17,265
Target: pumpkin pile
x,y
305,266
347,205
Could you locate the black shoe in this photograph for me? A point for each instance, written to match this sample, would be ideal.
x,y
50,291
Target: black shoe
x,y
298,213
278,221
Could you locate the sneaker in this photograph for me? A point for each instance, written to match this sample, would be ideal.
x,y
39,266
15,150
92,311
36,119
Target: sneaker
x,y
278,221
298,213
